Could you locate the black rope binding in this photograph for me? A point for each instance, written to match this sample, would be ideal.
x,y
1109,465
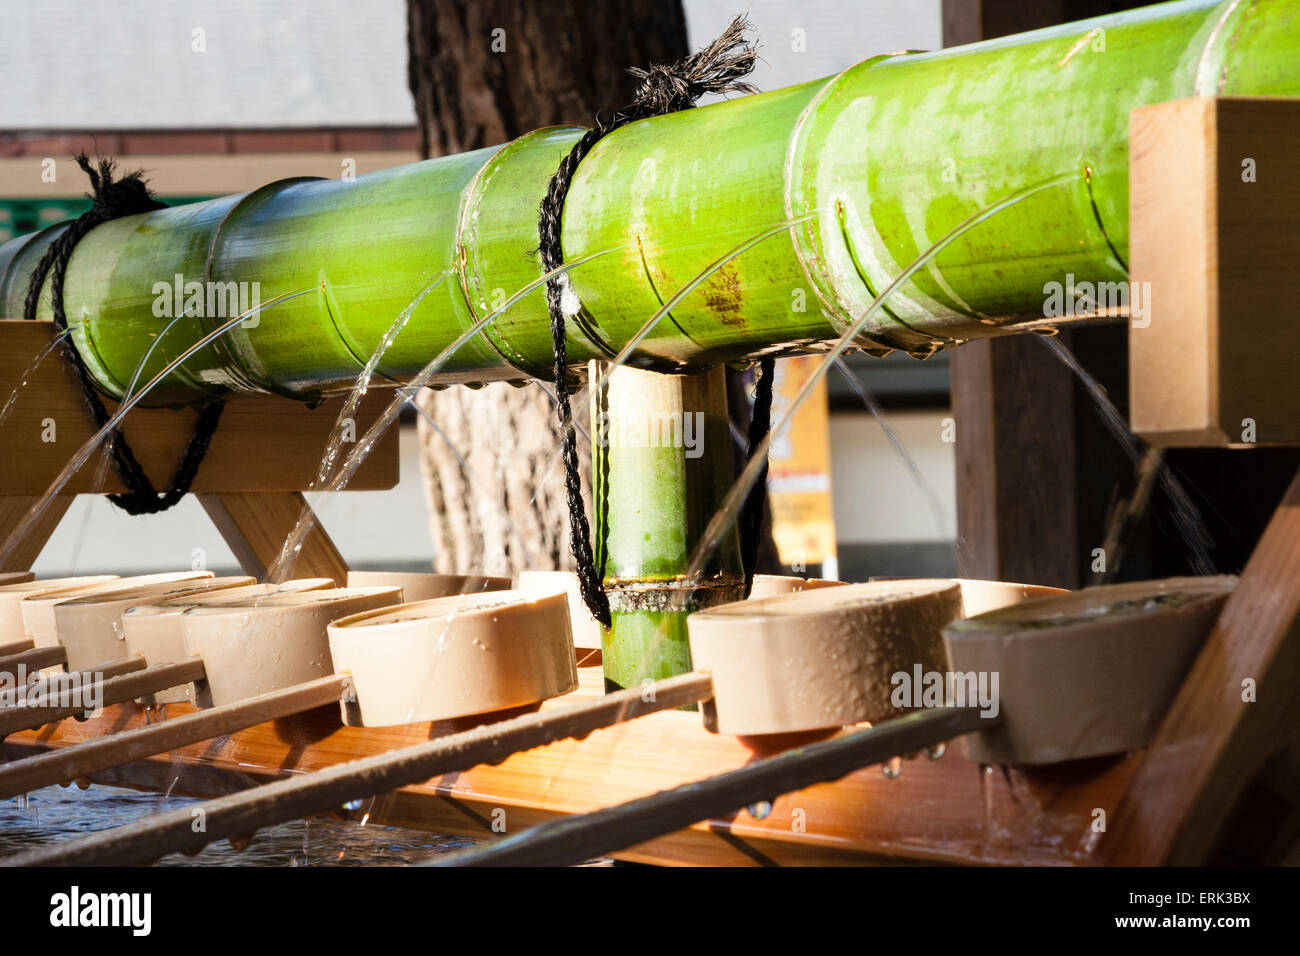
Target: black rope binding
x,y
718,68
751,517
112,199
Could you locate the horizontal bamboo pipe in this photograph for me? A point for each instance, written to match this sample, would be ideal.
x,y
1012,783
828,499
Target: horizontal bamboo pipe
x,y
876,164
242,814
82,760
115,690
571,840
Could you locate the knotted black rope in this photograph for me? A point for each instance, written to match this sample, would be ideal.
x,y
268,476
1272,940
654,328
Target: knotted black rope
x,y
111,199
751,517
718,68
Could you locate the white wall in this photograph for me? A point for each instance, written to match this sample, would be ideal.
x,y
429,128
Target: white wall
x,y
876,496
131,64
805,39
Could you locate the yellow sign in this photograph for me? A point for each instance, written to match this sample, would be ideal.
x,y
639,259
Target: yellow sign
x,y
799,471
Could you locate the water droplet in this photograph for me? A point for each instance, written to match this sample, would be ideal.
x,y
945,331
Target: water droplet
x,y
352,805
937,751
892,768
760,810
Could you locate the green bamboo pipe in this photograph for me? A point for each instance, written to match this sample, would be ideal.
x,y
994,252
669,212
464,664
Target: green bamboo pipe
x,y
885,158
661,447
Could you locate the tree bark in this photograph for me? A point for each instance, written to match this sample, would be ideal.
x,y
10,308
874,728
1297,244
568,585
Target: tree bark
x,y
483,72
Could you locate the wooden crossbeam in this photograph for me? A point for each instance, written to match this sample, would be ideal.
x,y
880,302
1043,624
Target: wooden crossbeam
x,y
264,453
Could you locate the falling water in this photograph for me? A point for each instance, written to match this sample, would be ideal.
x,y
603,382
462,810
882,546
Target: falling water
x,y
1187,517
293,544
27,374
918,476
726,515
353,401
306,520
74,464
1124,517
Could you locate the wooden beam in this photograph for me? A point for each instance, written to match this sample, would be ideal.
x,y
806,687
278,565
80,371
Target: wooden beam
x,y
1013,405
196,175
13,508
1215,214
1237,707
256,525
264,443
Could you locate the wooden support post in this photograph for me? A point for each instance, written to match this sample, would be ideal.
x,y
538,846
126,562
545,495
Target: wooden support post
x,y
256,524
266,450
13,508
1237,707
1215,214
1016,463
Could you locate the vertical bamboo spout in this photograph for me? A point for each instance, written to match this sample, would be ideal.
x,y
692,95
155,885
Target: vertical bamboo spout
x,y
662,466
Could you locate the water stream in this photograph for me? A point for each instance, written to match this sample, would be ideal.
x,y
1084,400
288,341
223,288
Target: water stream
x,y
306,522
40,357
87,449
1187,517
918,477
727,514
283,565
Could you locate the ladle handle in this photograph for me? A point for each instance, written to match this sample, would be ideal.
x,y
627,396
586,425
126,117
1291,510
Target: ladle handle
x,y
92,756
36,690
33,659
115,690
577,838
16,647
243,813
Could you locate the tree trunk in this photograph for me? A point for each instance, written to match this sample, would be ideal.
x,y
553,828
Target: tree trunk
x,y
483,72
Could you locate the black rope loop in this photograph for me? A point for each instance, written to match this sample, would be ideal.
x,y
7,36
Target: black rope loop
x,y
751,515
719,68
112,198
